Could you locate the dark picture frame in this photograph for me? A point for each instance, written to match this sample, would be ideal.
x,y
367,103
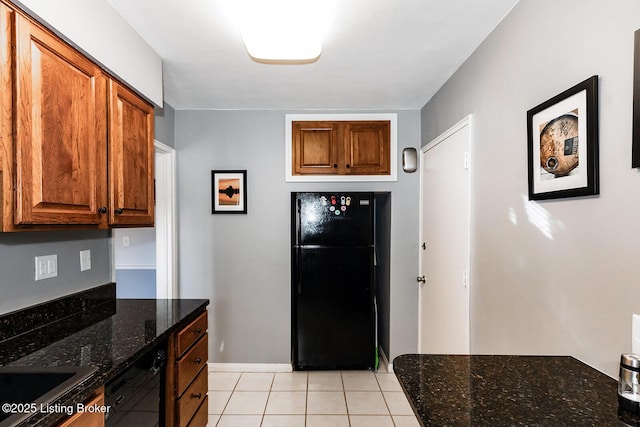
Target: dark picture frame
x,y
228,191
635,151
562,137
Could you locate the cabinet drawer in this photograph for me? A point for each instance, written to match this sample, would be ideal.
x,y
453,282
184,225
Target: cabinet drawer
x,y
201,417
87,419
191,363
191,400
191,333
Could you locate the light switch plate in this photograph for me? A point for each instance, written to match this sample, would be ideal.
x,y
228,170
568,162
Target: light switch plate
x,y
46,266
85,260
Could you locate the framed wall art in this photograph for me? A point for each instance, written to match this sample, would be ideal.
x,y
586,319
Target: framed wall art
x,y
562,136
229,191
635,154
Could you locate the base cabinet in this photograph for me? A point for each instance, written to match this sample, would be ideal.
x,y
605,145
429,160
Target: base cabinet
x,y
186,389
87,418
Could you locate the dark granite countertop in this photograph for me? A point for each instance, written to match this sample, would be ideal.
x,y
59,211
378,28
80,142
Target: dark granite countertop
x,y
488,390
111,337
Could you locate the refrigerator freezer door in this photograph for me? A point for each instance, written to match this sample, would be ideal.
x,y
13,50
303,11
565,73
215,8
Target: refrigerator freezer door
x,y
334,219
334,323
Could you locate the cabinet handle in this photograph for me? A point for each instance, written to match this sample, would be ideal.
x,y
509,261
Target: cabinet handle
x,y
196,395
102,210
335,166
197,361
197,331
348,165
119,211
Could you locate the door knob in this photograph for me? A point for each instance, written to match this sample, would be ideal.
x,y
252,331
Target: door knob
x,y
421,279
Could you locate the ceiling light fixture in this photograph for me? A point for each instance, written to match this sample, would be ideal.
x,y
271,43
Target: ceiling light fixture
x,y
282,31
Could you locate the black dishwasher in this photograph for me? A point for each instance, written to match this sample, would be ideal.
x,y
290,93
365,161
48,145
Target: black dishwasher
x,y
136,396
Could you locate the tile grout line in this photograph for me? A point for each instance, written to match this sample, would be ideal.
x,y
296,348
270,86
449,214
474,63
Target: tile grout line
x,y
229,399
264,410
384,399
344,393
306,400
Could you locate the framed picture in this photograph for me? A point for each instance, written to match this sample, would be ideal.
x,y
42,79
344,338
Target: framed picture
x,y
229,191
563,144
635,154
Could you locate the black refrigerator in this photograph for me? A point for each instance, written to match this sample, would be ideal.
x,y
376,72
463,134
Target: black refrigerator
x,y
332,281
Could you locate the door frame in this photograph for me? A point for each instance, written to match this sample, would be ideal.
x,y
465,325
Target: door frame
x,y
465,122
166,222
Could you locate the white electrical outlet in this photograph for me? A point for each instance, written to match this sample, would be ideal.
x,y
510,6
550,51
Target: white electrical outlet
x,y
46,266
85,260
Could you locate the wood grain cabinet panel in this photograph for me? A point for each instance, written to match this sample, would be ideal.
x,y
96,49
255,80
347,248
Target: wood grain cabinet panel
x,y
191,363
315,148
367,148
76,147
192,398
186,387
131,156
341,148
87,418
191,333
7,16
60,141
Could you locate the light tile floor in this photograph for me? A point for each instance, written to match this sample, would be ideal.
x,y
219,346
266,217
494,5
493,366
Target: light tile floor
x,y
308,399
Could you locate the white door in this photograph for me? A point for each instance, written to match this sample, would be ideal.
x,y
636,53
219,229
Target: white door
x,y
445,242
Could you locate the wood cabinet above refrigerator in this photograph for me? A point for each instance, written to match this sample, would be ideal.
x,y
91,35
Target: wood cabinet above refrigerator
x,y
341,147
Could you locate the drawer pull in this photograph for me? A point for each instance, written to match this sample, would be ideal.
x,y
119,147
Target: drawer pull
x,y
196,395
198,331
197,361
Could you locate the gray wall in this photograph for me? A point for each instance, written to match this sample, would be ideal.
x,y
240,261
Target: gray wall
x,y
135,265
17,265
164,125
242,262
18,250
569,289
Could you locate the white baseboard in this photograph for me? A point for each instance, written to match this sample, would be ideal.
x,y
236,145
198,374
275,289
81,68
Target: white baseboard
x,y
250,367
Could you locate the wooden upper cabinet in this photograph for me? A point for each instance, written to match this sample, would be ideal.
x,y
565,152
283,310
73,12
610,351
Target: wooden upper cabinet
x,y
76,147
367,148
341,148
315,148
60,132
131,158
6,117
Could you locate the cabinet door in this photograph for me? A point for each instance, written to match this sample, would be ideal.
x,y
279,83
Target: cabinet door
x,y
131,158
6,118
87,419
60,140
315,148
367,148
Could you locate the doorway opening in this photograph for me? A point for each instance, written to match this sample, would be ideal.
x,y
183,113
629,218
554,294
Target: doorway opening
x,y
145,258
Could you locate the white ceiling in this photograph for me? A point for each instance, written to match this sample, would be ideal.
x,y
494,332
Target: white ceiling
x,y
380,54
